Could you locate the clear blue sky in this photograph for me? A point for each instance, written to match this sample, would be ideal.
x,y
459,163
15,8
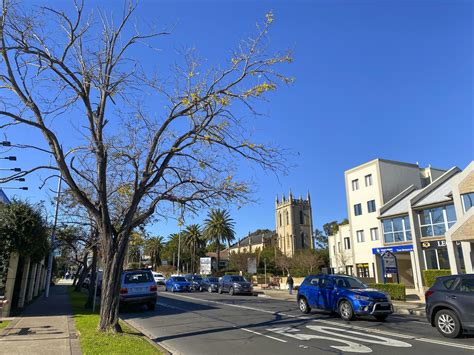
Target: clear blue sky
x,y
388,79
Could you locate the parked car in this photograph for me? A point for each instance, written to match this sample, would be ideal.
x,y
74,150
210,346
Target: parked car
x,y
138,287
344,295
211,284
450,304
196,282
234,284
177,284
159,278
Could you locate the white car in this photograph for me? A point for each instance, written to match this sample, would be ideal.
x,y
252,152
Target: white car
x,y
159,278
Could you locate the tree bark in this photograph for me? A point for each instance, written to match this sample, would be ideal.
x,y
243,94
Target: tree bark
x,y
218,254
84,271
91,291
114,248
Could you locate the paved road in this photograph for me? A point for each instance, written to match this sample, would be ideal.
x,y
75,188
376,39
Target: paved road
x,y
203,323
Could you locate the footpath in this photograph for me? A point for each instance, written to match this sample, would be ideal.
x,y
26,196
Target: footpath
x,y
46,327
411,307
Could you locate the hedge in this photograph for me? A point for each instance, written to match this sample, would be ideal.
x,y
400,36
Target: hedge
x,y
396,291
430,275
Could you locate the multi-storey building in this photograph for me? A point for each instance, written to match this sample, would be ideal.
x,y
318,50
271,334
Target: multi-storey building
x,y
294,224
417,209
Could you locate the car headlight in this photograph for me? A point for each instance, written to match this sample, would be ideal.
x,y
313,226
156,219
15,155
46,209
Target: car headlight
x,y
237,285
362,298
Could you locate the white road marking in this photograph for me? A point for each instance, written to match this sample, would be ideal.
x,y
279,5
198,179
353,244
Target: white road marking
x,y
369,330
261,334
368,338
349,345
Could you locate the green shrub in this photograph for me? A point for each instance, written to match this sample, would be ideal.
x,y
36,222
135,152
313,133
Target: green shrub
x,y
396,291
430,275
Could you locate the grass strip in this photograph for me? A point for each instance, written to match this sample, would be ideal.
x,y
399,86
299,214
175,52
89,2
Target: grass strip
x,y
94,342
4,324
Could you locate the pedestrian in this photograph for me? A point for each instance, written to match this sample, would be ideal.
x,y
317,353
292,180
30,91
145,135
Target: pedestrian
x,y
289,283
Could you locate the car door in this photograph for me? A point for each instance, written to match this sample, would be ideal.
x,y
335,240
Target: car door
x,y
312,291
326,289
463,297
225,283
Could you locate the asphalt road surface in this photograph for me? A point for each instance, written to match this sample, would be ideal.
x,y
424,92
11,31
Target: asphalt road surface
x,y
204,323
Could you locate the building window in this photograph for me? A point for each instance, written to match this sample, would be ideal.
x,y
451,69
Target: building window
x,y
347,243
301,217
436,221
355,184
368,180
360,236
467,201
302,241
280,219
358,209
339,247
371,206
374,234
396,230
362,270
349,270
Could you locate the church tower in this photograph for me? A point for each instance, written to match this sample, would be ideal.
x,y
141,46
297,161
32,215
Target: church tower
x,y
294,224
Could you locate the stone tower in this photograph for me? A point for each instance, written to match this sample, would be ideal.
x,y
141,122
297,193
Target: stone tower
x,y
294,224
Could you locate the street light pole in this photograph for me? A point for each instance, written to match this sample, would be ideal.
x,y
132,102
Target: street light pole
x,y
179,250
53,239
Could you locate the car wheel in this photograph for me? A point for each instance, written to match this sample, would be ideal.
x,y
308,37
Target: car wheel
x,y
345,311
304,306
381,318
151,306
219,290
447,323
209,289
231,291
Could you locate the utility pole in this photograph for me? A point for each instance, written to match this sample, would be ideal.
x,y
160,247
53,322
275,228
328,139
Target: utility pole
x,y
179,250
53,239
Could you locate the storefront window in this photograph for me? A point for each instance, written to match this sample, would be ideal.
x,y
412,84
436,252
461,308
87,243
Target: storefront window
x,y
435,221
431,260
362,270
396,229
443,258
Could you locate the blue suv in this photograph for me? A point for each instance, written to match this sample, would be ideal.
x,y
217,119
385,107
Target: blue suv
x,y
345,295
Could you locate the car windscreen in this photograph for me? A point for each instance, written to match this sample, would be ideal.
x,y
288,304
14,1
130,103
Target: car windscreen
x,y
197,278
138,277
213,279
179,279
237,279
349,282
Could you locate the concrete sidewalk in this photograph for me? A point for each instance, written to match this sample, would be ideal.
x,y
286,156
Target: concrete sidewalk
x,y
45,327
416,308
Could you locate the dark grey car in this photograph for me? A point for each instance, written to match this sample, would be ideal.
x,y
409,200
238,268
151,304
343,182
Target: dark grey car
x,y
234,284
450,304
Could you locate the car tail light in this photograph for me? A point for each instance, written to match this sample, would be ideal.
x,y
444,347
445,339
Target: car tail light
x,y
123,290
153,288
428,294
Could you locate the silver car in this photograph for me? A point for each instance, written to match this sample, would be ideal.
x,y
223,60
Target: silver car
x,y
138,287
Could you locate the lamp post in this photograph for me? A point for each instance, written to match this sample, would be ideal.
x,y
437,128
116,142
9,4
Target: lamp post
x,y
53,239
15,188
12,158
11,169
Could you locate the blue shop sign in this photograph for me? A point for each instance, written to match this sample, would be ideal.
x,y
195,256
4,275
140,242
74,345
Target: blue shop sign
x,y
394,249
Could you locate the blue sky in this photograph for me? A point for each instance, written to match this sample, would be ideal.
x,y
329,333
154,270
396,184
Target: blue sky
x,y
388,79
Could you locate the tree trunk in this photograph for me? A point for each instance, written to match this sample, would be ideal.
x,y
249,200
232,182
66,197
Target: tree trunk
x,y
90,296
218,253
84,271
114,249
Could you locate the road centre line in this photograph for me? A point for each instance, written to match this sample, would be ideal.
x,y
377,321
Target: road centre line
x,y
264,335
368,330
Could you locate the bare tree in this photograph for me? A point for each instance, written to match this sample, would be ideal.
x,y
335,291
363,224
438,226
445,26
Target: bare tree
x,y
125,163
343,259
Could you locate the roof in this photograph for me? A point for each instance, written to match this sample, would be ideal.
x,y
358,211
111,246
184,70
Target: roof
x,y
400,204
253,239
438,191
3,197
223,254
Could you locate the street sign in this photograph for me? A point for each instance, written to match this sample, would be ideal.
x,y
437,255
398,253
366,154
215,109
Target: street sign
x,y
394,249
389,261
252,265
205,264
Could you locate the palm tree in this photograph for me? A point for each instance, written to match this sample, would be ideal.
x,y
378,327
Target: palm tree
x,y
219,228
153,247
192,240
